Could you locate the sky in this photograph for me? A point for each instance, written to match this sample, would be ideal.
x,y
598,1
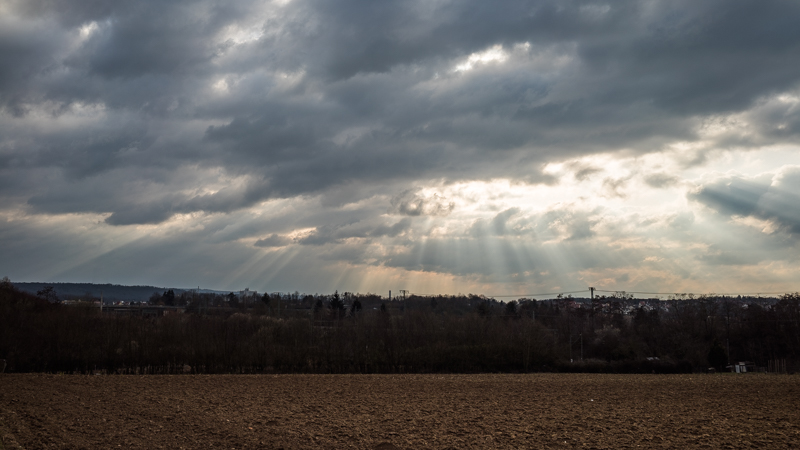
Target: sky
x,y
441,147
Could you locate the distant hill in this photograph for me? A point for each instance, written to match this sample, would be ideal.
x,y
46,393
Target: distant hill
x,y
109,292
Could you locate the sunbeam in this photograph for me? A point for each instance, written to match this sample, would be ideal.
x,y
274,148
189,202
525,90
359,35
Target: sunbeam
x,y
261,146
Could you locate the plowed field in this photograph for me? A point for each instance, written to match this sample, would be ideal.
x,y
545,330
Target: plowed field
x,y
400,411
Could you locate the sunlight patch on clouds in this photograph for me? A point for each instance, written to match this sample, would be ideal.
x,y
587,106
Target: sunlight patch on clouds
x,y
542,66
542,60
180,222
495,54
86,30
242,35
764,226
542,221
248,30
221,86
264,81
300,233
290,78
260,23
91,111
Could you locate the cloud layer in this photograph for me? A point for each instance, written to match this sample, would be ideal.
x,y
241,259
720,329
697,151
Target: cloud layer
x,y
444,145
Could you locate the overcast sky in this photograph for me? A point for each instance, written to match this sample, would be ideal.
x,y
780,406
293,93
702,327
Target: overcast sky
x,y
507,147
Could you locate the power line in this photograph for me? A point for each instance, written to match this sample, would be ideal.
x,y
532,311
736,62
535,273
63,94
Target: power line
x,y
687,293
616,291
539,295
513,295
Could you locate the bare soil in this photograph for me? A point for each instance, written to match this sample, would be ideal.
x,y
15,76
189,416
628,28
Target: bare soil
x,y
400,411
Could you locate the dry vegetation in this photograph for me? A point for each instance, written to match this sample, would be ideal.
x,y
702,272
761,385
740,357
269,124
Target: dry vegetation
x,y
400,411
340,334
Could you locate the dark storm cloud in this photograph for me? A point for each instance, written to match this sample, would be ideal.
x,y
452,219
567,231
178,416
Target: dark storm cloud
x,y
412,203
327,234
273,240
312,96
694,57
25,51
776,119
774,199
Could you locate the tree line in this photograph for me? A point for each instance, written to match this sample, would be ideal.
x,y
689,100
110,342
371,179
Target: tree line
x,y
357,333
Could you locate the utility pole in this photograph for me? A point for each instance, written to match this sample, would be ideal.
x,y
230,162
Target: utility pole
x,y
405,306
591,289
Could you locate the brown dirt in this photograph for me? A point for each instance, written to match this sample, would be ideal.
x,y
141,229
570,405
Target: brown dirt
x,y
400,411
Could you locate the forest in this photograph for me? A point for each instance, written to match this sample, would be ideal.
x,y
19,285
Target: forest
x,y
366,333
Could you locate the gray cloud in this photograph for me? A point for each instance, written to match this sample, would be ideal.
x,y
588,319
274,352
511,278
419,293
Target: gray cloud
x,y
327,234
506,260
660,180
501,225
682,221
717,256
632,74
411,203
337,113
614,187
774,199
565,223
733,196
273,240
584,173
500,222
